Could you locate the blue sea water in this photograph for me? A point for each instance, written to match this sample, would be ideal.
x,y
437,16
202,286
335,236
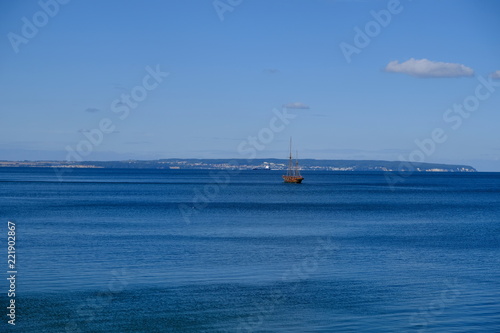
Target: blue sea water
x,y
115,250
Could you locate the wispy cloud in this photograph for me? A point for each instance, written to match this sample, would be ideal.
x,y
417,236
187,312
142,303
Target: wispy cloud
x,y
137,142
84,130
495,75
424,68
271,71
120,87
296,105
220,138
92,110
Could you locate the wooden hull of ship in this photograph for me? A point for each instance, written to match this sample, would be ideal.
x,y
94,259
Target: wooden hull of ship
x,y
293,179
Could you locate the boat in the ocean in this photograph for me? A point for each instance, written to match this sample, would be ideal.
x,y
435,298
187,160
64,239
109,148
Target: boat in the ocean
x,y
293,172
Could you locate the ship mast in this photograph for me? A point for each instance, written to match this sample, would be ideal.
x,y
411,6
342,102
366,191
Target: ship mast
x,y
293,172
290,161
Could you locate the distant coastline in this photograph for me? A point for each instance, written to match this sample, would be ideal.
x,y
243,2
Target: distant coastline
x,y
255,164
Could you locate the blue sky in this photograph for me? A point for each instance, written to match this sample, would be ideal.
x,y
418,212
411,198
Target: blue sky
x,y
225,78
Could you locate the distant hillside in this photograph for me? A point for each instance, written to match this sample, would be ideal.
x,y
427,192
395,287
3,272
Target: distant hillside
x,y
272,164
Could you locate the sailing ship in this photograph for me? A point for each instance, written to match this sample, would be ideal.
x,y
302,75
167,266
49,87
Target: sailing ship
x,y
293,172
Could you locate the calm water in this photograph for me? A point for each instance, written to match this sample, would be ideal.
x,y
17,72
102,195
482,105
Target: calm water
x,y
190,251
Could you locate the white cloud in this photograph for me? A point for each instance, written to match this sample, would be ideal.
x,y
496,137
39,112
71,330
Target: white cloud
x,y
426,68
296,105
495,75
